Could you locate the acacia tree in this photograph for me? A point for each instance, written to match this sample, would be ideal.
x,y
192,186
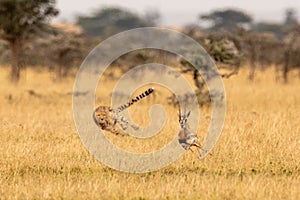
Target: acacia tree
x,y
20,19
111,20
227,19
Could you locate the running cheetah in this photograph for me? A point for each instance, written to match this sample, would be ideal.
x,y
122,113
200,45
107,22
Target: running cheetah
x,y
107,118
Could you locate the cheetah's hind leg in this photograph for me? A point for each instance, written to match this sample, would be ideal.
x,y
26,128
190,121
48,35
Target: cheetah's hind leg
x,y
124,123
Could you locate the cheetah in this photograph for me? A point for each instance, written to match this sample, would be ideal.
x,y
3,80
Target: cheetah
x,y
106,117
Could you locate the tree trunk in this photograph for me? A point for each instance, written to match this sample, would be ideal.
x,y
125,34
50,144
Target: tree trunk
x,y
253,61
196,80
252,71
15,46
286,66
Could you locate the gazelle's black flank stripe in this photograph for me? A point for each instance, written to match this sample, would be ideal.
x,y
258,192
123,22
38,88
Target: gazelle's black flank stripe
x,y
132,101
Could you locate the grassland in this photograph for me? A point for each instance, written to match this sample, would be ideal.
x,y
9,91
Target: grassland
x,y
257,156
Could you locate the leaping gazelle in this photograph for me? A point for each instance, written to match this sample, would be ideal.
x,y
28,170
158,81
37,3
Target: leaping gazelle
x,y
186,138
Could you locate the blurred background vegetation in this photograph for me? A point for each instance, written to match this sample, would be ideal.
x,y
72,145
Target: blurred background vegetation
x,y
29,38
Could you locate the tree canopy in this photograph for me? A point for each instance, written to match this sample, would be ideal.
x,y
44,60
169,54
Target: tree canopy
x,y
227,19
20,18
111,20
291,17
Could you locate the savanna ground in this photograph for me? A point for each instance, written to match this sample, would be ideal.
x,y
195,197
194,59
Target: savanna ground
x,y
257,156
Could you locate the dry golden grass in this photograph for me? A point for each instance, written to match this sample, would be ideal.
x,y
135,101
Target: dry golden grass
x,y
257,156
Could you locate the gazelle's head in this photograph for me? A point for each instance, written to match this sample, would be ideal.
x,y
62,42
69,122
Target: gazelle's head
x,y
182,118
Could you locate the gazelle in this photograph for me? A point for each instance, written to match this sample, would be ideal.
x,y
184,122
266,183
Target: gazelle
x,y
186,138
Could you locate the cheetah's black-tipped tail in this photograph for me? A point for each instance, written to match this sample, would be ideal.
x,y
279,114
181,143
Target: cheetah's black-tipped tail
x,y
134,100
